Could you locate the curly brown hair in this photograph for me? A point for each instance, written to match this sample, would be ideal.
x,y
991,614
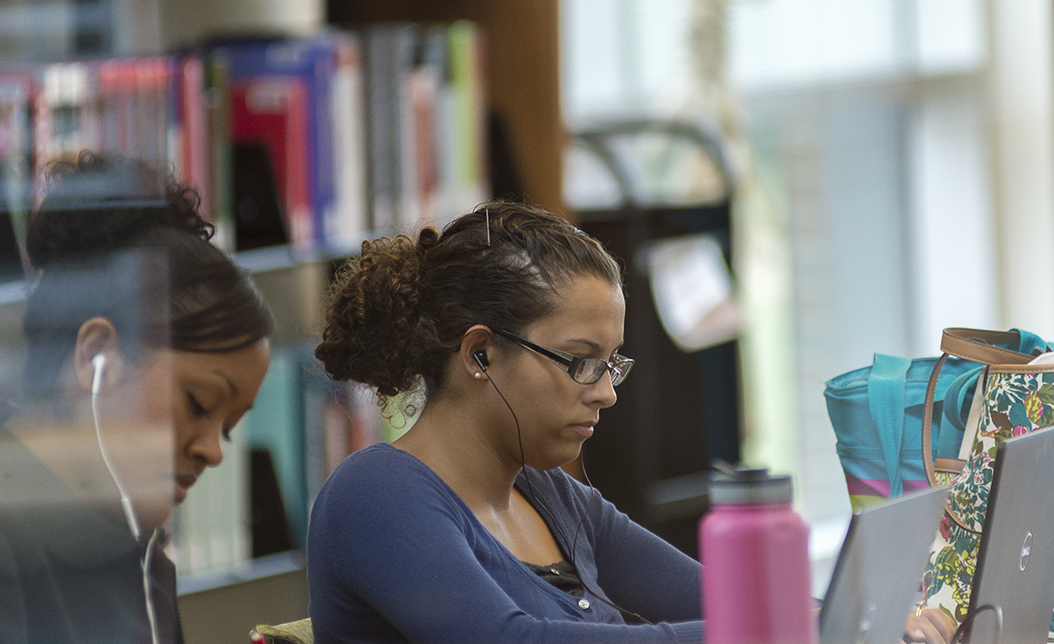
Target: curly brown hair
x,y
397,311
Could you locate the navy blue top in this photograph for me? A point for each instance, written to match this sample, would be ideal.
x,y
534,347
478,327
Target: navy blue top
x,y
394,555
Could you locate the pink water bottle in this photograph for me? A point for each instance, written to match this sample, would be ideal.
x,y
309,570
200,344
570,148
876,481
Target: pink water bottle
x,y
755,579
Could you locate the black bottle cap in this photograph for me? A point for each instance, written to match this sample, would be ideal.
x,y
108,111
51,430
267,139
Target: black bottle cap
x,y
750,486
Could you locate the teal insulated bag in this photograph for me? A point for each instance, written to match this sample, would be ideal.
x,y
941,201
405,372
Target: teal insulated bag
x,y
877,414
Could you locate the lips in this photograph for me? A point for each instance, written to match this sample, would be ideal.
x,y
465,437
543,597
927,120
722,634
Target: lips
x,y
183,483
584,429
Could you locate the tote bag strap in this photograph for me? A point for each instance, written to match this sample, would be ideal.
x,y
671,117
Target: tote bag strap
x,y
886,399
975,345
943,464
927,421
978,345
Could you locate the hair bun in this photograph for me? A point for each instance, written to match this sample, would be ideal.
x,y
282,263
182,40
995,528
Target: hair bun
x,y
372,316
426,239
100,203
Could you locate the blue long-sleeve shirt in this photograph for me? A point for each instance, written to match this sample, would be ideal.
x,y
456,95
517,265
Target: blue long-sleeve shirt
x,y
394,555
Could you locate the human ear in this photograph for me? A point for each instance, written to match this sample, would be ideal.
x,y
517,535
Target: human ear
x,y
473,357
96,351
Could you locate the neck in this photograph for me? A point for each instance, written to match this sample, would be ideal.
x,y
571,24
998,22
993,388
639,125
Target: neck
x,y
465,448
70,449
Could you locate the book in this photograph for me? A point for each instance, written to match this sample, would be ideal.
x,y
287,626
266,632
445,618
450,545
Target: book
x,y
350,221
425,93
272,111
276,423
218,144
469,183
312,62
426,126
132,107
380,118
189,153
404,69
65,114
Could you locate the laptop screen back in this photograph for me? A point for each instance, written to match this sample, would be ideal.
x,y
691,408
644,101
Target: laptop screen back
x,y
1015,561
879,569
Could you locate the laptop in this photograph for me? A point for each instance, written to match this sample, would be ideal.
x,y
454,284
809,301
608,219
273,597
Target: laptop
x,y
878,574
1015,559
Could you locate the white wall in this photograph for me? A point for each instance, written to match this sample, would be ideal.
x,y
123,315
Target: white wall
x,y
1021,90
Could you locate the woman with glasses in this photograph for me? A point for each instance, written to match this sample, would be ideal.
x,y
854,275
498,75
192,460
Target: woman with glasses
x,y
504,331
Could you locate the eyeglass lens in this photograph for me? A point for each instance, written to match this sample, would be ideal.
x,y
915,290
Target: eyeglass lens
x,y
590,370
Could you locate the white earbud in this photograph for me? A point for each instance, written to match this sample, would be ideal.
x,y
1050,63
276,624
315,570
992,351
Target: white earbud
x,y
99,362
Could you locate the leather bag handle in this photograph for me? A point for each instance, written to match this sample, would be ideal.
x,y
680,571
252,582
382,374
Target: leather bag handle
x,y
975,345
948,464
978,345
927,421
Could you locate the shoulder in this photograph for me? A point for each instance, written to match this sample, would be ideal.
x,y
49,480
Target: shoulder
x,y
381,485
377,466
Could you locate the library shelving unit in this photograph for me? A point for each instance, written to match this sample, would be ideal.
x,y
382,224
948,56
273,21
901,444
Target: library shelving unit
x,y
521,75
521,81
521,72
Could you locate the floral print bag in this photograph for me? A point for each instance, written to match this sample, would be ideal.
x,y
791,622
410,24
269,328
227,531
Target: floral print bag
x,y
1018,397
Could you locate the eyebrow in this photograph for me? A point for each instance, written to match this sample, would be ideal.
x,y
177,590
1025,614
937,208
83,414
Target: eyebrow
x,y
594,346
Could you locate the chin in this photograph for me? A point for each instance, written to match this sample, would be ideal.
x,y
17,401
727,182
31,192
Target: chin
x,y
154,517
155,511
561,459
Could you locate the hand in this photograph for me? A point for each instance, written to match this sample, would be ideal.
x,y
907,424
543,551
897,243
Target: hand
x,y
931,625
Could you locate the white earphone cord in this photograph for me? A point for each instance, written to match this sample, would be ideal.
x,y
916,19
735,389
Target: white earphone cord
x,y
126,502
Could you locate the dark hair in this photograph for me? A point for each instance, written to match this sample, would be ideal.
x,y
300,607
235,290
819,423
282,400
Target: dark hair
x,y
93,238
397,311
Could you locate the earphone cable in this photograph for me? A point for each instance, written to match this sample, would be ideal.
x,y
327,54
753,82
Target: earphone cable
x,y
150,613
552,520
523,470
126,502
129,513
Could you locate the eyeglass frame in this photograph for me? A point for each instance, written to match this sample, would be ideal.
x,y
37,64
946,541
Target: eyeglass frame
x,y
618,372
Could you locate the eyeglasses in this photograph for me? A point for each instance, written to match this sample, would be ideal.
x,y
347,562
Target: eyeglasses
x,y
584,371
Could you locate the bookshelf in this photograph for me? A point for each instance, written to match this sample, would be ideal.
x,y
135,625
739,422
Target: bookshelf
x,y
520,87
521,72
521,69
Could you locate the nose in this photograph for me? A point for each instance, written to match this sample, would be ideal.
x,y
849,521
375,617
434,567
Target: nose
x,y
603,392
208,445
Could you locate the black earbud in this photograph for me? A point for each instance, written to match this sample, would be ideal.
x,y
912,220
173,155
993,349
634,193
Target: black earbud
x,y
481,359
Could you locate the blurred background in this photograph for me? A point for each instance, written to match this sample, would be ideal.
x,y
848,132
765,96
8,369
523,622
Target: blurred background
x,y
870,172
893,176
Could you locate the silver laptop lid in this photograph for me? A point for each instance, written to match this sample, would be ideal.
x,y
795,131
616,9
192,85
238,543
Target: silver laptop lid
x,y
1015,560
879,570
